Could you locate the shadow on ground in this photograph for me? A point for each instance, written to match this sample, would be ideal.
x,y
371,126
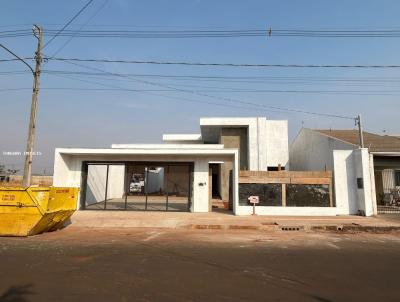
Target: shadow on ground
x,y
17,293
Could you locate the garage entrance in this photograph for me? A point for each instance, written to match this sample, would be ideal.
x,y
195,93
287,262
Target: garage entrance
x,y
137,186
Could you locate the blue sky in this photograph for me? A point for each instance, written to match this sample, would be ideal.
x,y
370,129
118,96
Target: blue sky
x,y
98,118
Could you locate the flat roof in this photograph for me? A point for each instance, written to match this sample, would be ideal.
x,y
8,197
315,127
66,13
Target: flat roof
x,y
182,137
227,121
168,146
154,151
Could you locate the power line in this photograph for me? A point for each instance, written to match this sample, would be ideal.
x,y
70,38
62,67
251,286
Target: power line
x,y
202,88
221,64
59,32
334,33
202,33
17,57
234,79
230,90
11,60
87,22
150,92
171,88
230,100
245,80
84,89
14,72
201,77
15,33
292,81
159,34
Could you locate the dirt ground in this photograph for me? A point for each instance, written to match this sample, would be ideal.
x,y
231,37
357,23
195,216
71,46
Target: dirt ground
x,y
80,264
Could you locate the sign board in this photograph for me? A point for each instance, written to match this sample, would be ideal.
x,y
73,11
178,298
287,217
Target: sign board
x,y
254,199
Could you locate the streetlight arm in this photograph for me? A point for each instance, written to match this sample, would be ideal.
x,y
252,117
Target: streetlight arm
x,y
19,58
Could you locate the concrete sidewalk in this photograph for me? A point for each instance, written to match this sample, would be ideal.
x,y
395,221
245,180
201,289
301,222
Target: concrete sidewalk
x,y
223,221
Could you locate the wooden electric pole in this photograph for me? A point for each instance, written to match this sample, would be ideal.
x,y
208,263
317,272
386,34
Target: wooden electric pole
x,y
26,182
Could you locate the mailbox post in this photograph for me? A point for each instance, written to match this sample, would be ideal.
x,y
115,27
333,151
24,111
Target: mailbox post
x,y
254,200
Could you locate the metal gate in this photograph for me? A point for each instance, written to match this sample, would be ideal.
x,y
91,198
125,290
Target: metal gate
x,y
389,203
389,209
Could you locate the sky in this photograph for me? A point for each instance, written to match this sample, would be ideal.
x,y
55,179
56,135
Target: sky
x,y
80,114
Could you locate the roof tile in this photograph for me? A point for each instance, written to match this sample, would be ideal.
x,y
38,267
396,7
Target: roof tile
x,y
375,142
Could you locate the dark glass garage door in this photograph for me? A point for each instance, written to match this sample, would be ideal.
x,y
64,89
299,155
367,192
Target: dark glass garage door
x,y
137,186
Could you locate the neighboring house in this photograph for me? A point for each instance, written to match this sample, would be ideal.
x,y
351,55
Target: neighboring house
x,y
180,175
372,172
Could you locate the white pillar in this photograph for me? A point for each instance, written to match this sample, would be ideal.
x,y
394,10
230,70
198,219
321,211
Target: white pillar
x,y
200,186
235,181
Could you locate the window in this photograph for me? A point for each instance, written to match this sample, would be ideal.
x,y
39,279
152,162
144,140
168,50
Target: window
x,y
397,178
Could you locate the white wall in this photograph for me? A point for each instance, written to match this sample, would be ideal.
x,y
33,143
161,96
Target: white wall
x,y
116,181
96,182
313,151
287,211
155,181
200,186
348,166
365,195
182,139
277,143
345,182
268,143
67,168
373,185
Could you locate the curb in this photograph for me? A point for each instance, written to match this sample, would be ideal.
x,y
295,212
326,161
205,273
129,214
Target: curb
x,y
228,227
357,228
314,228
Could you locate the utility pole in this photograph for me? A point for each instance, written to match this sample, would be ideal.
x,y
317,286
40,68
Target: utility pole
x,y
26,182
360,130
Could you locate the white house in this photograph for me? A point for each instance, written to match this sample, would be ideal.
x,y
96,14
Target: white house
x,y
363,177
231,159
183,174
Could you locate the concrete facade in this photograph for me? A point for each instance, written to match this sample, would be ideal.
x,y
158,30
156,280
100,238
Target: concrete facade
x,y
267,140
350,166
353,169
230,144
224,147
262,144
68,166
232,138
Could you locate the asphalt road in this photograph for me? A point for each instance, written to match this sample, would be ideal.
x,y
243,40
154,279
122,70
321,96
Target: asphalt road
x,y
199,265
